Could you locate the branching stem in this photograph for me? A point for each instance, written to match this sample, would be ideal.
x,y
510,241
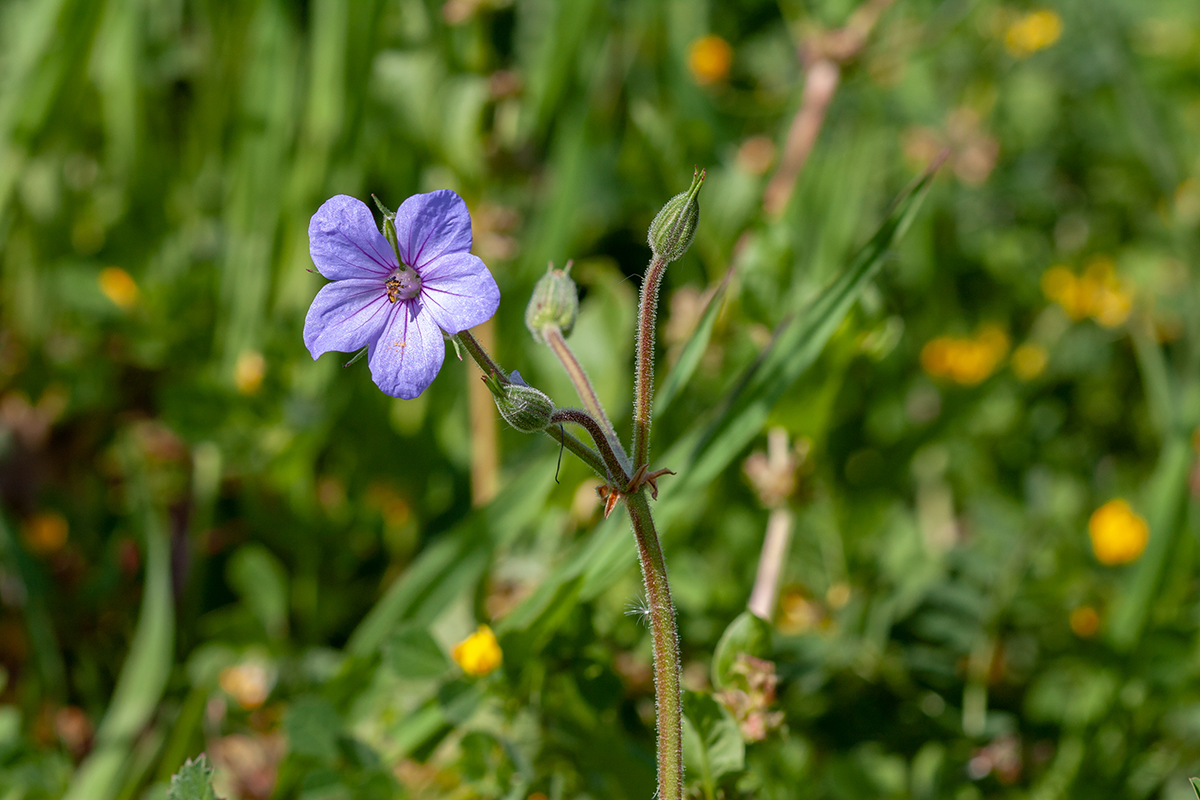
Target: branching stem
x,y
583,387
616,472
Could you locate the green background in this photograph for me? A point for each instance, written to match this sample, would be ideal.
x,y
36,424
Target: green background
x,y
326,535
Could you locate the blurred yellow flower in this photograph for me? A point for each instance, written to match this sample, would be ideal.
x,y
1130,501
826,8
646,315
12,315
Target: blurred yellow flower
x,y
1085,621
1098,293
1110,302
1118,534
248,371
119,287
709,59
966,361
45,533
479,653
1029,360
1032,32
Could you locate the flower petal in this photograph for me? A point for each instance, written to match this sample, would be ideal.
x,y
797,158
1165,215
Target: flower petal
x,y
344,242
459,292
345,315
431,225
407,356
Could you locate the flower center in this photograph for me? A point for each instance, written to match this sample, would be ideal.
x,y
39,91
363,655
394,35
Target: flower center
x,y
404,284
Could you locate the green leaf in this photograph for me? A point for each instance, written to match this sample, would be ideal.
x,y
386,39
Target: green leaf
x,y
193,781
259,577
797,343
746,634
1196,786
312,727
413,653
689,359
712,743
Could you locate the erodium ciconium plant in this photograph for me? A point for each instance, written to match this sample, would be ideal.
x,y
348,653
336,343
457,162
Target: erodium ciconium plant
x,y
401,290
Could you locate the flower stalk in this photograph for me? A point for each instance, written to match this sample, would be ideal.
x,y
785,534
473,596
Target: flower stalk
x,y
668,694
553,336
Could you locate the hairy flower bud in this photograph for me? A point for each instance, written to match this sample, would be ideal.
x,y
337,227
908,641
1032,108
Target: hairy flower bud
x,y
555,301
522,406
672,231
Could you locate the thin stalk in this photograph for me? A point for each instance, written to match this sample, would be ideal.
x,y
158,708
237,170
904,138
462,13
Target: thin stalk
x,y
667,688
580,448
583,387
586,454
475,350
616,472
643,389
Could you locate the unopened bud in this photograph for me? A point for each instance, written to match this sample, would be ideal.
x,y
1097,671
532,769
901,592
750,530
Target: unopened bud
x,y
672,231
522,406
555,301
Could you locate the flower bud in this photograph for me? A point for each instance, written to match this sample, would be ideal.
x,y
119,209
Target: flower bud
x,y
555,301
672,231
522,406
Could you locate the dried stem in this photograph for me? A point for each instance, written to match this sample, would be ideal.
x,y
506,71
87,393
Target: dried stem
x,y
583,387
643,390
616,472
823,56
667,688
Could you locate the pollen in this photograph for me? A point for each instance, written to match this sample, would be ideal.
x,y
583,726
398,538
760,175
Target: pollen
x,y
404,284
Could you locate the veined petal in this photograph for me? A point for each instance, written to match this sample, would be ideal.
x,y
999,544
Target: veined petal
x,y
459,292
431,225
345,315
344,242
408,354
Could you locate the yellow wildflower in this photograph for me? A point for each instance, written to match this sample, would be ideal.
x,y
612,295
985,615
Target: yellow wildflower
x,y
1118,534
248,371
1085,621
1098,293
479,653
45,533
709,59
965,361
1110,303
1032,32
1029,360
119,287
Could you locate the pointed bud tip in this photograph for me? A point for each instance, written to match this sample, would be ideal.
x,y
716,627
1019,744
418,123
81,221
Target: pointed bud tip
x,y
674,227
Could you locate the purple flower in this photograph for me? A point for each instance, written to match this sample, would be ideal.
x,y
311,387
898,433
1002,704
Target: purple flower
x,y
397,309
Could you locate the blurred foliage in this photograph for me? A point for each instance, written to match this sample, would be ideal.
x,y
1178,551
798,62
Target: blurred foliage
x,y
210,543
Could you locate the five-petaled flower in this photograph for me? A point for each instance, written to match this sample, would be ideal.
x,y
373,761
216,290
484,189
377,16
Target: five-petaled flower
x,y
396,302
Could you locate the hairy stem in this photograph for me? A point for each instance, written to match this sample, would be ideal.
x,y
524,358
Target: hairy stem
x,y
475,350
616,472
583,387
643,389
667,689
586,454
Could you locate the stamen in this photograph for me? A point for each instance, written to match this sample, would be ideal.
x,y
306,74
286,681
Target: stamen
x,y
403,284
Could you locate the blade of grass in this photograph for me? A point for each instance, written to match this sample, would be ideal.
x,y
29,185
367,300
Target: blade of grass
x,y
689,359
1164,501
797,344
144,675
